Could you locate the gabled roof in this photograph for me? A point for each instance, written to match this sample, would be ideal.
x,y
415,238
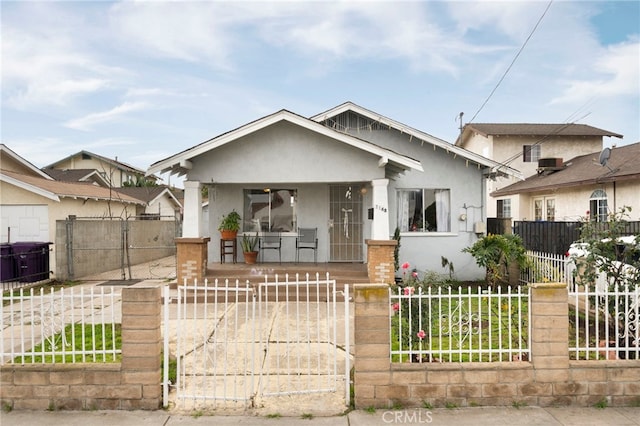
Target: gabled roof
x,y
77,175
118,164
623,164
7,156
56,190
534,129
149,194
180,163
418,136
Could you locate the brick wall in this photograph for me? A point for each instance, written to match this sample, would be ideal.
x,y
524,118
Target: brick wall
x,y
548,379
380,261
192,254
133,384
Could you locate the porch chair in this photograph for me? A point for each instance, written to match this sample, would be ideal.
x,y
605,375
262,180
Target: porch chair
x,y
270,241
307,239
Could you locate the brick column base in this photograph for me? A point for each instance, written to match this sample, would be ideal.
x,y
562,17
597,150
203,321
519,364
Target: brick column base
x,y
380,261
192,259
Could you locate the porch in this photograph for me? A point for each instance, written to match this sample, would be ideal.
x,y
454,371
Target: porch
x,y
343,273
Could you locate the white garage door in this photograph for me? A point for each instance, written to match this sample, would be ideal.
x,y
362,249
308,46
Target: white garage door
x,y
24,223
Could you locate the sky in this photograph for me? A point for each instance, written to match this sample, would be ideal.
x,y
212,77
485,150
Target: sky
x,y
142,80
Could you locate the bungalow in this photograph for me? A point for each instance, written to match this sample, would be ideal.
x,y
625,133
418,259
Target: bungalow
x,y
352,174
598,184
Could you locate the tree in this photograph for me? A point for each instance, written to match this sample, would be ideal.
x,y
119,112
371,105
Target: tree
x,y
607,252
496,253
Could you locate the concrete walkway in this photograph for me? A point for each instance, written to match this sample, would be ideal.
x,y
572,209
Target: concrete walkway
x,y
478,416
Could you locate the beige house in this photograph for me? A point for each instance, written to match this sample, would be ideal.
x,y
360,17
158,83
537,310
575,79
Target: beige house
x,y
31,201
521,146
160,202
591,185
114,172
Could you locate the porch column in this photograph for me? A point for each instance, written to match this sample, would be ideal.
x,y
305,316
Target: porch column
x,y
380,226
192,223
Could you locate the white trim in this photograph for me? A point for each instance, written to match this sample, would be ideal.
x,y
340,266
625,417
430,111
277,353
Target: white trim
x,y
177,163
5,150
417,134
28,187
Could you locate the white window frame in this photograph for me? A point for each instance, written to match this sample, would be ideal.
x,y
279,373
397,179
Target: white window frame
x,y
531,153
598,206
503,208
417,222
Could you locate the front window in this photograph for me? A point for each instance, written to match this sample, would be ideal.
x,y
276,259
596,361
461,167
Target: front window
x,y
270,209
544,209
424,210
530,153
504,208
598,208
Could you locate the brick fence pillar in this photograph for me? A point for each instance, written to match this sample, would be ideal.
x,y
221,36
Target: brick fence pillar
x,y
380,261
372,363
142,346
550,332
192,257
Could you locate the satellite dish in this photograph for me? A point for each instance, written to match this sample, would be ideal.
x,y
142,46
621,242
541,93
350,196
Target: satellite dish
x,y
604,156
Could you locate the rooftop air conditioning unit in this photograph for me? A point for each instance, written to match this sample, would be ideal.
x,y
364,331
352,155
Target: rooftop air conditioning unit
x,y
554,163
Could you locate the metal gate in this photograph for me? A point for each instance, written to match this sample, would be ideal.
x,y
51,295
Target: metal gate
x,y
243,345
345,214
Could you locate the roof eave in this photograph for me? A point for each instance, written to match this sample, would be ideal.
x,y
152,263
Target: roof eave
x,y
180,163
28,187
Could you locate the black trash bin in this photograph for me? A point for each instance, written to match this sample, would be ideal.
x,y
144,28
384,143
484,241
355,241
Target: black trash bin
x,y
7,264
31,261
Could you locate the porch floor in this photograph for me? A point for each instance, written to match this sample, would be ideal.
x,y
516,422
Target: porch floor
x,y
343,273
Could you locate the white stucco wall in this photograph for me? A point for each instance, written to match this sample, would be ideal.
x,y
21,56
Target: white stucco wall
x,y
286,156
508,149
572,204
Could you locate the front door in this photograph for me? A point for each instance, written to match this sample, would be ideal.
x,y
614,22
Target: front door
x,y
345,230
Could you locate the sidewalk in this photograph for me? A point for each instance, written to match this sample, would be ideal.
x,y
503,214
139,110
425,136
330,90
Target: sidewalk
x,y
477,416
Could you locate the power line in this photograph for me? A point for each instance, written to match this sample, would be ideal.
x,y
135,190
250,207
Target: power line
x,y
543,139
512,62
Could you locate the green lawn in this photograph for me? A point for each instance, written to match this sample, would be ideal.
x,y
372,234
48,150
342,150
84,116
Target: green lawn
x,y
460,329
77,340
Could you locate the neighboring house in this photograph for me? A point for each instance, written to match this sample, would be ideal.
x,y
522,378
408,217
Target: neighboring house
x,y
160,202
349,172
581,185
78,175
521,146
31,201
114,172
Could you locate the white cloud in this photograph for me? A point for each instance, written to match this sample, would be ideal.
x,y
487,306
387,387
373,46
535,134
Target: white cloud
x,y
193,32
89,121
43,60
617,73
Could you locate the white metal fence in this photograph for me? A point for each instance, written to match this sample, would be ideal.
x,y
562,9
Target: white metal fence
x,y
70,325
459,325
605,323
236,342
546,267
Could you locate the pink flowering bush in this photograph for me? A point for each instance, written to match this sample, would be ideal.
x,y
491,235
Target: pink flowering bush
x,y
412,313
